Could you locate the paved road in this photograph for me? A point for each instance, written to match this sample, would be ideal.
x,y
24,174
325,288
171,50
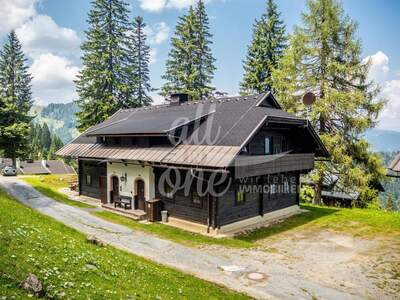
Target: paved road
x,y
203,263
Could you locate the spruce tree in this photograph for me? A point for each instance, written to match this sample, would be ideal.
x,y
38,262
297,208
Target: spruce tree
x,y
101,82
324,57
190,65
15,99
204,58
45,138
138,59
266,48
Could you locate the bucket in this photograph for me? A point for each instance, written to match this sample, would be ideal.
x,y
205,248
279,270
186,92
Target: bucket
x,y
164,216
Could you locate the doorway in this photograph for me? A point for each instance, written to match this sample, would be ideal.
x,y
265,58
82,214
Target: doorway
x,y
114,194
140,194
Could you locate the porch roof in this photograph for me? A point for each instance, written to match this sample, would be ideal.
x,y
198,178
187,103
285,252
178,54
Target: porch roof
x,y
187,155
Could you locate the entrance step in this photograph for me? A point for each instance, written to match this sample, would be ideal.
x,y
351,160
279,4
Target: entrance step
x,y
136,214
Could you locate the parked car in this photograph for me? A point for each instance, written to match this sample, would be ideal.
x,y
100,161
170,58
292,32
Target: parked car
x,y
9,171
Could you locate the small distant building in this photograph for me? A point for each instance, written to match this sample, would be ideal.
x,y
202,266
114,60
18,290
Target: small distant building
x,y
39,167
394,167
335,194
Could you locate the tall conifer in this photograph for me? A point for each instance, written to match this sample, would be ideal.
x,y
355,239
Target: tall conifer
x,y
138,60
264,52
101,82
190,65
15,99
324,57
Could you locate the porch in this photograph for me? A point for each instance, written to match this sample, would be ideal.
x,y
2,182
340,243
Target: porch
x,y
135,214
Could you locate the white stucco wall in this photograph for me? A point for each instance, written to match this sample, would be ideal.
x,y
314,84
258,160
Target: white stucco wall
x,y
133,172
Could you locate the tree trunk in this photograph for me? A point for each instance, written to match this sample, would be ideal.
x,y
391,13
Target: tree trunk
x,y
318,193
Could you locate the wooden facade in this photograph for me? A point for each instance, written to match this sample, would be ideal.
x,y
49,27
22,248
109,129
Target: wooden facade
x,y
90,173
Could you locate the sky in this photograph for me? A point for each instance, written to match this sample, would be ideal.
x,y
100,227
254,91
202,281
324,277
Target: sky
x,y
51,32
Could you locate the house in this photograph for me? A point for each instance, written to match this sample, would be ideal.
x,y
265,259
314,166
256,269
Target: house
x,y
39,167
394,167
335,193
221,163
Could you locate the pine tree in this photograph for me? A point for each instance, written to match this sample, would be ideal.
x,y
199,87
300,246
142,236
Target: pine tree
x,y
45,138
138,59
324,57
56,144
15,99
101,82
266,49
204,58
190,65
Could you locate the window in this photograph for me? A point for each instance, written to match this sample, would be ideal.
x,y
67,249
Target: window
x,y
197,200
268,145
240,197
168,191
88,179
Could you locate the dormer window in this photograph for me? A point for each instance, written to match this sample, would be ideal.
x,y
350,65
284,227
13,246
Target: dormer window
x,y
268,145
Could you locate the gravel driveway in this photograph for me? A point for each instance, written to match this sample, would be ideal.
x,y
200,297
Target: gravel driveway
x,y
332,274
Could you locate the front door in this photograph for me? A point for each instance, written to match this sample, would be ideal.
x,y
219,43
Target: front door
x,y
103,189
115,189
140,194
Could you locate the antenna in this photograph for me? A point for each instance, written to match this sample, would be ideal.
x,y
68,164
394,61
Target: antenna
x,y
309,99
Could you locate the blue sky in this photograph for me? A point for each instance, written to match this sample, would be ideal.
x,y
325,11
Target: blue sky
x,y
52,30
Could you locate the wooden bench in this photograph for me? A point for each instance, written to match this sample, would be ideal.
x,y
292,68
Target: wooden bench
x,y
123,201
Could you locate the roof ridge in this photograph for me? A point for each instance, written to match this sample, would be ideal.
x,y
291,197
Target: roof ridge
x,y
191,102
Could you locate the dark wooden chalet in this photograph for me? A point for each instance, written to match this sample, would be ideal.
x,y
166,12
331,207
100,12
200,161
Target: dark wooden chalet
x,y
229,161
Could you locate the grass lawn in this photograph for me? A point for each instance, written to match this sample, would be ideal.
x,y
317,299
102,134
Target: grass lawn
x,y
358,222
49,186
71,268
171,233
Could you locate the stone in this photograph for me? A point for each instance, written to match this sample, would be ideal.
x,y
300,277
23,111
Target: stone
x,y
32,284
95,240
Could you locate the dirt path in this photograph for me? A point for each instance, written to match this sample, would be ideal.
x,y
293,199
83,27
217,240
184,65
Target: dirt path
x,y
325,266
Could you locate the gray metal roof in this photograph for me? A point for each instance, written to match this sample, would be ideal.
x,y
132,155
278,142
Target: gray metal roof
x,y
395,164
222,126
225,121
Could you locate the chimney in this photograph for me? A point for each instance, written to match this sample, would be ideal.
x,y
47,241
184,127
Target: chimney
x,y
178,99
44,163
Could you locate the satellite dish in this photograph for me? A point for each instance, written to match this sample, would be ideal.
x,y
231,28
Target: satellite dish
x,y
308,99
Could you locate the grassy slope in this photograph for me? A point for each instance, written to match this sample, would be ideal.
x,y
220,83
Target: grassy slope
x,y
171,233
49,186
69,266
359,222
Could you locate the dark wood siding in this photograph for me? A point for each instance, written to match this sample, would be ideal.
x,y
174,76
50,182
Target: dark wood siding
x,y
280,199
224,209
229,212
94,169
180,205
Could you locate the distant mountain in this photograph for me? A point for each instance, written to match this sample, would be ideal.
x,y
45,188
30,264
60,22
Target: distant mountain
x,y
383,140
60,117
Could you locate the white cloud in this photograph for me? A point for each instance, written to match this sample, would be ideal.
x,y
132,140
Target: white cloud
x,y
390,116
379,66
390,90
157,33
152,5
153,55
53,79
42,35
159,5
13,13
